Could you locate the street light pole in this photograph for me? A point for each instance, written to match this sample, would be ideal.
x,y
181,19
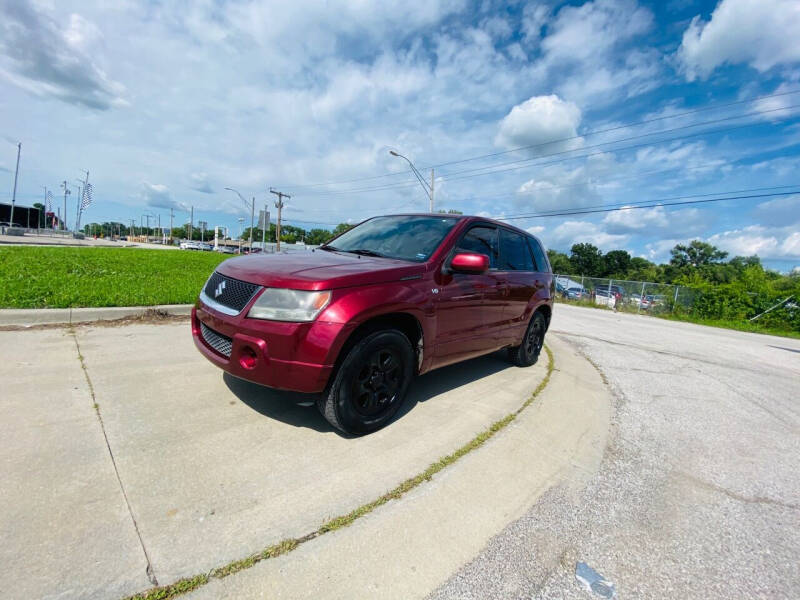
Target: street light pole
x,y
428,188
65,185
14,193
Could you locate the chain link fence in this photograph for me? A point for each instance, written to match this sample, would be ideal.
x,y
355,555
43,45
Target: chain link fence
x,y
642,297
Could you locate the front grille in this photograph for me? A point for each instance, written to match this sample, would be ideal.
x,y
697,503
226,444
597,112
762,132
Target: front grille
x,y
231,293
221,343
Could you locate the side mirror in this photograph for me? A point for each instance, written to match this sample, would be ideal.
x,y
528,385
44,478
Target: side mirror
x,y
469,262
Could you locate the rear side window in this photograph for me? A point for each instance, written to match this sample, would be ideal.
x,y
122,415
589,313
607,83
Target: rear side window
x,y
481,240
539,256
514,252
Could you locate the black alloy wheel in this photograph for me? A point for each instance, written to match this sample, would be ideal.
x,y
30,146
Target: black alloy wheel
x,y
370,384
375,385
527,353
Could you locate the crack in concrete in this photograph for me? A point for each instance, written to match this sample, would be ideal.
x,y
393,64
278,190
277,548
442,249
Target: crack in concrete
x,y
685,356
701,483
149,569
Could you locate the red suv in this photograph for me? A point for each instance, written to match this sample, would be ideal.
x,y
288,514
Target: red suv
x,y
359,316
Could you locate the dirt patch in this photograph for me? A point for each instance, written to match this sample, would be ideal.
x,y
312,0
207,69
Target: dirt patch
x,y
149,316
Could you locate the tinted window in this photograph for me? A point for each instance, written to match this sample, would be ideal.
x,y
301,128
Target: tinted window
x,y
481,240
404,237
538,255
514,252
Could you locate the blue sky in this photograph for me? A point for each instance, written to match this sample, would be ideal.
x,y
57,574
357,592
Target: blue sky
x,y
169,103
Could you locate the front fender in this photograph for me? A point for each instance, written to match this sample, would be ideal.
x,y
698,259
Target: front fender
x,y
356,306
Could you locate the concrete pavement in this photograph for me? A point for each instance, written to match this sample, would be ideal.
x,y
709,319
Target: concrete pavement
x,y
210,468
64,523
408,547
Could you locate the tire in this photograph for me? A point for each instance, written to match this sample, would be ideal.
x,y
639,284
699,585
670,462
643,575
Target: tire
x,y
371,383
527,353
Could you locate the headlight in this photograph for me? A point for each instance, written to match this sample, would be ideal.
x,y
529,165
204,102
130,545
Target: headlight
x,y
277,304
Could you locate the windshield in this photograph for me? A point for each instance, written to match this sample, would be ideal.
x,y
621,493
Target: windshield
x,y
410,237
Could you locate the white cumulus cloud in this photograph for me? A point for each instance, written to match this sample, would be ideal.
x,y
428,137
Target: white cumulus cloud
x,y
541,120
761,33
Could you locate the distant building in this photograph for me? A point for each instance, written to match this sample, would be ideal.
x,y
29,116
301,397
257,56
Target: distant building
x,y
24,216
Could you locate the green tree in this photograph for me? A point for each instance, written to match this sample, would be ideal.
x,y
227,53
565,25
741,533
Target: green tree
x,y
318,236
696,254
617,263
586,259
560,262
341,228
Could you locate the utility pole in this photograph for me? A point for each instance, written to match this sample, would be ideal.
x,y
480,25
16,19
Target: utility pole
x,y
279,206
170,224
252,218
191,221
14,193
264,227
65,185
431,190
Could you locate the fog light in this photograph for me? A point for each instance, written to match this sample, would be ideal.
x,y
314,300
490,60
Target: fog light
x,y
248,358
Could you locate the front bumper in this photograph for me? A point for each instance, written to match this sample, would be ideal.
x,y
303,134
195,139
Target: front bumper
x,y
287,356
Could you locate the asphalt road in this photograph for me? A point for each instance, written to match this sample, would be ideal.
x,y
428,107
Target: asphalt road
x,y
698,493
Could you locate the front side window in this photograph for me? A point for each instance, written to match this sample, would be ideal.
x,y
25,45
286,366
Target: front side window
x,y
404,237
481,240
514,252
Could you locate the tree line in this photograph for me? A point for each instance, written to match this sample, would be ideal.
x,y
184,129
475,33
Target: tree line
x,y
289,233
726,289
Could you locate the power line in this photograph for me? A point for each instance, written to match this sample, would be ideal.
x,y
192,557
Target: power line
x,y
516,193
522,163
631,138
629,204
558,140
604,210
630,147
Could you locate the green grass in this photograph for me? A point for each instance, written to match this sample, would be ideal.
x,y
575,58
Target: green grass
x,y
728,324
39,277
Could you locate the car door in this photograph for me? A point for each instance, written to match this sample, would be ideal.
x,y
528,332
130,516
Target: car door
x,y
466,303
517,266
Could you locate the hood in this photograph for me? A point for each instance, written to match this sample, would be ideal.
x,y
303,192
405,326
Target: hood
x,y
319,270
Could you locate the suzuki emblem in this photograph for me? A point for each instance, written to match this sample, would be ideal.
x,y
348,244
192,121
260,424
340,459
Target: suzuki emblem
x,y
219,289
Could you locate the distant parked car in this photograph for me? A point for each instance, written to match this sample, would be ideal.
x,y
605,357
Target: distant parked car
x,y
189,245
611,296
225,249
651,300
573,293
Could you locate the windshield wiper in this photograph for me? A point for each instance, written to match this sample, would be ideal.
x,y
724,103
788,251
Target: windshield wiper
x,y
329,248
365,252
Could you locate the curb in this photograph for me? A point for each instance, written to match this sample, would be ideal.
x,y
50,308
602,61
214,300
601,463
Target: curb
x,y
24,317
